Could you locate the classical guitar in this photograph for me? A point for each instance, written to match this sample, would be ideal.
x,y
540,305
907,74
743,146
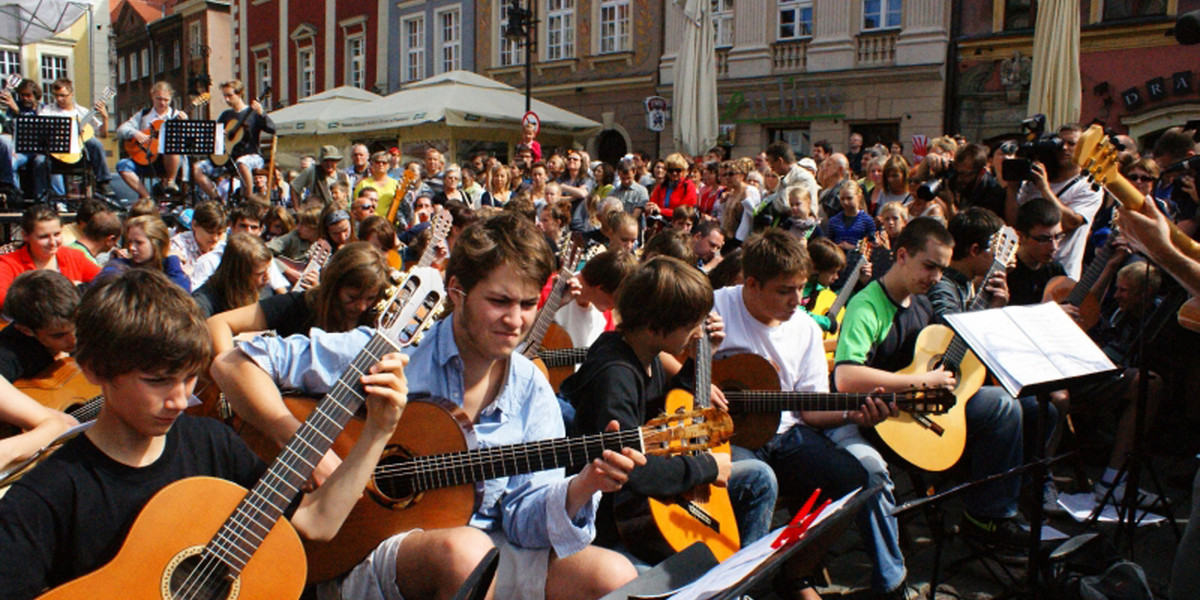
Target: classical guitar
x,y
431,474
407,183
83,413
936,442
235,131
318,255
1064,290
1097,156
146,154
206,537
544,321
87,128
656,528
62,386
751,387
441,224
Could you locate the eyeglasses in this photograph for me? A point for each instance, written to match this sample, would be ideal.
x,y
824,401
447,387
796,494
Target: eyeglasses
x,y
381,162
1145,178
1046,239
370,206
674,170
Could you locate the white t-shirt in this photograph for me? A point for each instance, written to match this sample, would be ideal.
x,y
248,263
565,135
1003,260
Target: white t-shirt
x,y
749,205
584,325
794,347
1082,199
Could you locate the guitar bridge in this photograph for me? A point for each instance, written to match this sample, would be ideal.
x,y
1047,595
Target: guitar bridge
x,y
699,514
927,423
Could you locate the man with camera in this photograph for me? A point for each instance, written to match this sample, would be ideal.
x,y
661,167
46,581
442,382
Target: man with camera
x,y
969,182
1177,183
1053,175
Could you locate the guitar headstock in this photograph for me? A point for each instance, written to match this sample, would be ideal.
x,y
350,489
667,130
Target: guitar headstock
x,y
107,94
411,306
408,180
1097,155
201,100
929,400
685,433
12,81
1004,247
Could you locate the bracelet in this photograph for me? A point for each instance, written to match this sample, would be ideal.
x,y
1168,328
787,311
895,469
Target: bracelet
x,y
845,417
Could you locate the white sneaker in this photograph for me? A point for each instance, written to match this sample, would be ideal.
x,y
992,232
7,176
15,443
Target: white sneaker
x,y
1145,500
1050,503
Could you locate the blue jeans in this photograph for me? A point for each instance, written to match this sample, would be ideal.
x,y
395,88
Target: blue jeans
x,y
8,172
838,461
995,442
39,173
752,492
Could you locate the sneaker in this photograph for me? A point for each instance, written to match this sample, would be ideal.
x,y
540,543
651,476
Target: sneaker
x,y
1011,535
1145,500
104,189
171,189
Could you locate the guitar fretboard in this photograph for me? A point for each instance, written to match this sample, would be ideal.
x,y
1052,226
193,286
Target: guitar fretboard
x,y
1090,276
545,317
774,400
236,541
564,357
459,468
848,288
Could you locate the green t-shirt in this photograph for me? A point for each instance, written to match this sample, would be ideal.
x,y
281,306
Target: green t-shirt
x,y
877,332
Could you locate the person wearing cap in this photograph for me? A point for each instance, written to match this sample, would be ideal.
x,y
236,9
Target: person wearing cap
x,y
315,181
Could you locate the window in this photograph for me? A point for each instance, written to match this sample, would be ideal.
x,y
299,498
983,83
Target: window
x,y
356,61
560,29
511,53
195,40
175,52
53,67
413,52
145,61
795,19
120,70
614,26
1131,9
881,14
449,40
722,18
161,64
10,62
262,74
306,71
1019,14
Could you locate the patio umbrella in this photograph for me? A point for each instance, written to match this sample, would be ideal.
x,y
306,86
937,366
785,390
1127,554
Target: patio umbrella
x,y
30,21
694,97
1055,89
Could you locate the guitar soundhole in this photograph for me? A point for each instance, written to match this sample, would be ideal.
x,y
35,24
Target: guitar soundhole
x,y
392,486
194,577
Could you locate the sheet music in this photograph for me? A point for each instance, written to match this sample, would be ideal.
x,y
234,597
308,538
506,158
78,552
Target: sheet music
x,y
64,436
76,147
219,140
1027,345
744,561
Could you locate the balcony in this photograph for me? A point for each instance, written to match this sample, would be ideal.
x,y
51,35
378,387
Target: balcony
x,y
876,49
789,56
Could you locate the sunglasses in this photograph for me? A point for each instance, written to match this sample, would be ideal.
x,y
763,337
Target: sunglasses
x,y
1145,178
674,170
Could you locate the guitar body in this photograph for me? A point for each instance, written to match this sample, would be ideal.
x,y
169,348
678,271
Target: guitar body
x,y
667,527
1189,315
557,339
913,441
1057,290
821,306
160,536
427,427
61,387
748,372
85,133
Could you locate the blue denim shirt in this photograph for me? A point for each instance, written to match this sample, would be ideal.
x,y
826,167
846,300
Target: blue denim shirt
x,y
531,508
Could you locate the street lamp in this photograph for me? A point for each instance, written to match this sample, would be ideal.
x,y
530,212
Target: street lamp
x,y
519,30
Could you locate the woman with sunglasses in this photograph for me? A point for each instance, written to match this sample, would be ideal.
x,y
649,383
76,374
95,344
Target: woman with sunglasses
x,y
675,190
378,178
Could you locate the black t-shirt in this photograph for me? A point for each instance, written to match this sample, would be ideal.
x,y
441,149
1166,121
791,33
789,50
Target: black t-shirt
x,y
288,314
611,384
209,300
69,515
21,355
1026,286
254,126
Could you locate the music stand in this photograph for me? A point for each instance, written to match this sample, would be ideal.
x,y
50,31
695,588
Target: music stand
x,y
185,136
43,135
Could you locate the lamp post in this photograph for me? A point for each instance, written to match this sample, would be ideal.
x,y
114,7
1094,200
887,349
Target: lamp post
x,y
519,30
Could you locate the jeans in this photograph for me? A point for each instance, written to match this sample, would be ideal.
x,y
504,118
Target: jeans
x,y
39,173
752,492
8,171
995,442
839,461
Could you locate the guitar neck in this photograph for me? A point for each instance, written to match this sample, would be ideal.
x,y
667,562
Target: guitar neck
x,y
847,289
563,358
430,252
459,468
546,316
958,348
88,411
778,401
254,517
1090,276
702,397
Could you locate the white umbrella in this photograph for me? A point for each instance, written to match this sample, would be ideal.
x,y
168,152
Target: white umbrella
x,y
314,113
1055,88
694,97
30,21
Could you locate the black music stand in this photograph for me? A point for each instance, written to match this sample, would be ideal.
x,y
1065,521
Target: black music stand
x,y
44,135
189,138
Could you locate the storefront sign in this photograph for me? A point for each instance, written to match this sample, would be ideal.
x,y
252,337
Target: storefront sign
x,y
793,102
1157,89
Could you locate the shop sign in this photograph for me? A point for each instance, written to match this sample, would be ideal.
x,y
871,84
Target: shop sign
x,y
792,101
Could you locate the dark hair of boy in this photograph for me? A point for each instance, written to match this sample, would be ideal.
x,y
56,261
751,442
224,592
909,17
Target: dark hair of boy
x,y
90,208
504,239
824,145
664,294
140,321
560,212
973,226
209,216
919,231
705,228
774,252
461,215
1037,212
683,213
101,225
670,242
245,212
36,214
728,272
608,269
40,298
825,255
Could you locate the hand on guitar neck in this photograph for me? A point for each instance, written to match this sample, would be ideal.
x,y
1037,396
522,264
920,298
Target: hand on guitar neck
x,y
605,474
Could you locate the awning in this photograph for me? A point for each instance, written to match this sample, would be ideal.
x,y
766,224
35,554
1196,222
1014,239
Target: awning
x,y
314,113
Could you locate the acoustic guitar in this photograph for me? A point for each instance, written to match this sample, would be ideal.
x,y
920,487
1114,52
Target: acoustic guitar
x,y
441,224
1064,290
146,154
654,529
318,255
407,182
83,413
62,386
209,538
1096,154
936,442
751,387
235,131
543,324
87,129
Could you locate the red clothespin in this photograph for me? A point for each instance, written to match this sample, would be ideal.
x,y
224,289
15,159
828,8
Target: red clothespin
x,y
796,529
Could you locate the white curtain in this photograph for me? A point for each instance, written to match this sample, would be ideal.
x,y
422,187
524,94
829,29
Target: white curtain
x,y
1055,88
694,96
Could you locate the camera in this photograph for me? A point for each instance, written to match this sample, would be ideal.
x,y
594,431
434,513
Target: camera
x,y
1037,146
930,189
1016,169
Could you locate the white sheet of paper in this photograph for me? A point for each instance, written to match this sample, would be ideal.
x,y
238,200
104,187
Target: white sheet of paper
x,y
1080,507
76,147
219,148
